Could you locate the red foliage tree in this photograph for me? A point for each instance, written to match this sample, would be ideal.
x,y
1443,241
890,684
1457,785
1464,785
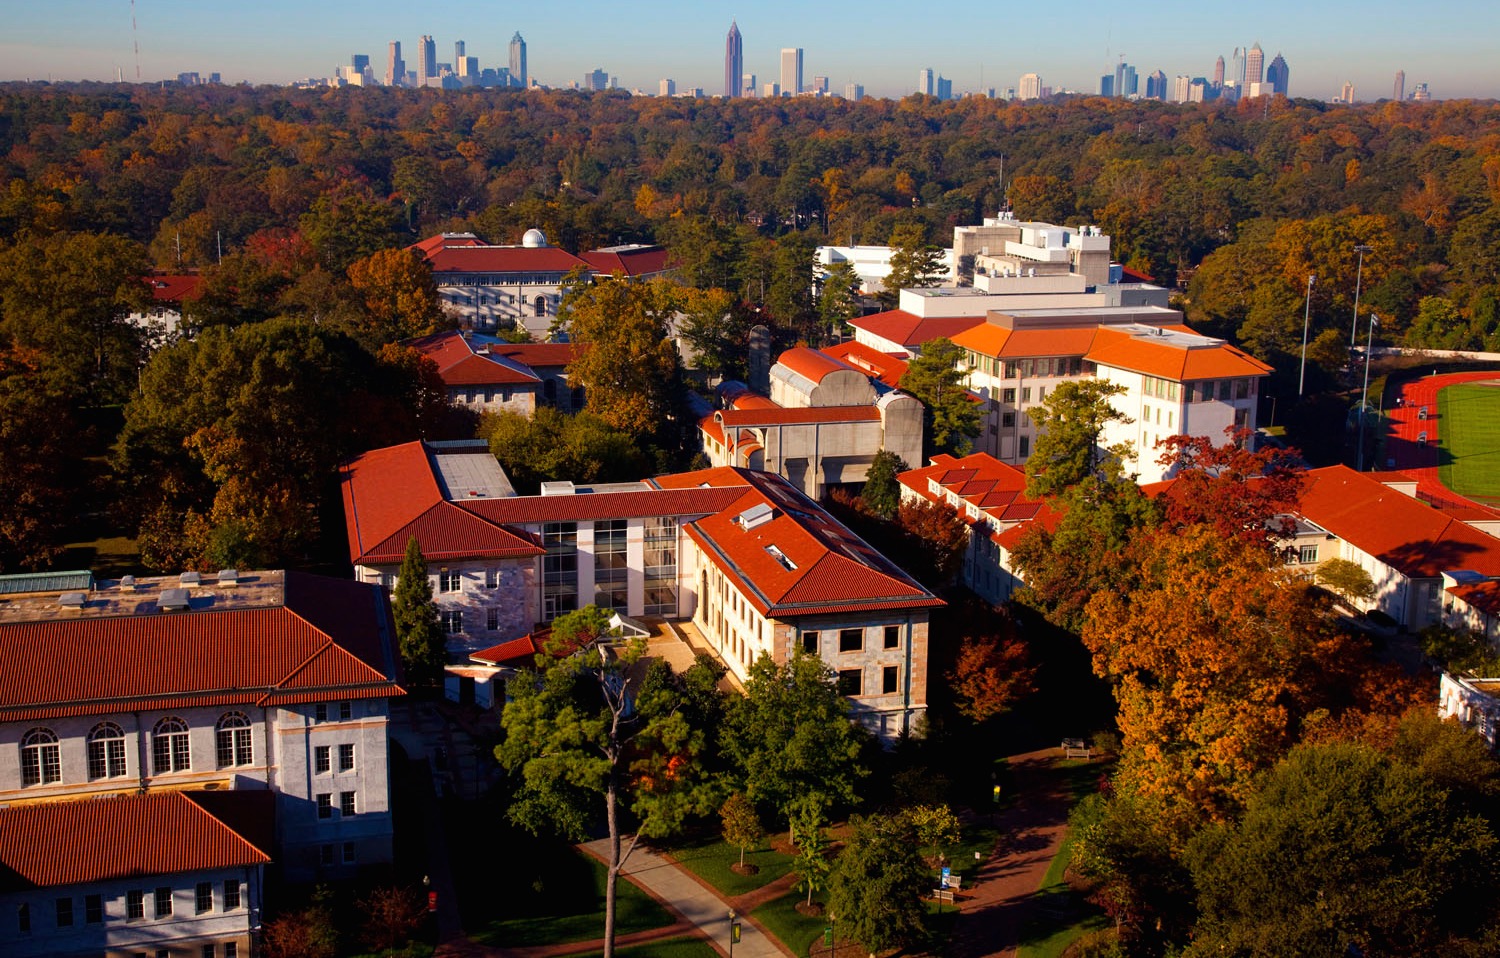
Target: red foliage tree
x,y
1240,494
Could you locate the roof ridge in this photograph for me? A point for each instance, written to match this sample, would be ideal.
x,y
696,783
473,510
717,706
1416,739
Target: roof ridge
x,y
188,797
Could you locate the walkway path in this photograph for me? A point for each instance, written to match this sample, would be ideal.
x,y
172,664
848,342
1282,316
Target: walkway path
x,y
1005,895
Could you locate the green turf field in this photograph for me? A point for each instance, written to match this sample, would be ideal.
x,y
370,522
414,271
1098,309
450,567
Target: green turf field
x,y
1469,434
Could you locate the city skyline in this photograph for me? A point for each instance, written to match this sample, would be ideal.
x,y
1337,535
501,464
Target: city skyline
x,y
278,42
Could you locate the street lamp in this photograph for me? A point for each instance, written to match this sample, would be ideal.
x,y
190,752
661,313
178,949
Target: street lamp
x,y
1306,312
1369,341
1359,271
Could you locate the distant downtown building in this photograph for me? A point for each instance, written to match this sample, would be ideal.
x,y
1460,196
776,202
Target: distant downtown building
x,y
791,71
734,62
1255,65
518,74
426,60
1030,87
1278,75
854,91
395,67
1398,93
924,81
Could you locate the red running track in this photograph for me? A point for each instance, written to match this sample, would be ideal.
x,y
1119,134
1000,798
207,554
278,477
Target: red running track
x,y
1405,453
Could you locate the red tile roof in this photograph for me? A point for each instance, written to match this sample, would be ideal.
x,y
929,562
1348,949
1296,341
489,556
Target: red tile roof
x,y
462,361
536,355
883,366
1484,596
1406,534
633,263
736,395
993,486
811,364
828,569
68,843
520,652
432,244
1146,354
591,506
169,288
912,331
778,416
1001,342
501,259
327,634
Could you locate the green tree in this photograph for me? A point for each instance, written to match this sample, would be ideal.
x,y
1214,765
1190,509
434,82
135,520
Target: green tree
x,y
1347,579
586,730
39,438
1459,650
812,864
1439,326
1342,847
915,264
790,738
418,632
789,295
1070,443
347,226
933,826
714,326
877,886
936,379
552,445
742,827
882,493
625,362
838,298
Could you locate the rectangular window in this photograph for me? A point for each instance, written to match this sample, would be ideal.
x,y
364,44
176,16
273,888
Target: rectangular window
x,y
451,581
1023,447
320,712
231,949
893,636
65,912
1242,389
1041,393
890,679
851,640
851,682
1307,555
1224,386
231,894
325,804
1012,370
492,578
1008,419
453,622
1026,394
203,897
348,853
1008,396
492,619
810,643
322,760
346,803
93,909
346,758
163,902
1025,371
209,951
135,905
346,711
325,854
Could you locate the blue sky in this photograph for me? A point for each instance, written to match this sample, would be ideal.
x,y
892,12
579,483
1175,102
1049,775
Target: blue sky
x,y
1451,44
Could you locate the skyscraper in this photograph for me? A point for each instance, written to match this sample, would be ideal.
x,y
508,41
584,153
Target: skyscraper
x,y
1346,95
1237,68
426,60
596,80
1399,91
668,88
1030,87
1107,85
1255,60
924,81
854,91
1156,86
1277,75
734,62
791,71
458,52
518,74
395,67
1219,74
944,88
1129,84
747,85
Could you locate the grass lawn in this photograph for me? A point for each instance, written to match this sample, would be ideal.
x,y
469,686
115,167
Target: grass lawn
x,y
797,931
1469,433
710,861
558,896
671,948
109,558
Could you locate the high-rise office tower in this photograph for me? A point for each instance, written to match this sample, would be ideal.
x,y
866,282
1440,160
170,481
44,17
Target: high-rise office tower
x,y
734,62
1181,88
395,67
1277,74
1398,92
1255,69
791,71
360,62
1107,85
596,80
518,75
854,91
1219,74
1420,93
1030,87
1346,95
944,88
747,85
924,81
458,52
1237,68
426,60
1129,85
667,88
819,86
1156,86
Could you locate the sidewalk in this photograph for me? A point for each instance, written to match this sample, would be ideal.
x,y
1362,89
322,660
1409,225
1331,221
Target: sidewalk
x,y
700,906
1004,897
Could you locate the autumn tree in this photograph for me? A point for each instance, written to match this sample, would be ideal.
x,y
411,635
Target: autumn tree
x,y
936,537
1069,448
882,493
596,731
418,632
936,379
742,827
915,264
1346,579
391,916
1239,492
625,362
39,437
991,675
790,737
400,296
307,933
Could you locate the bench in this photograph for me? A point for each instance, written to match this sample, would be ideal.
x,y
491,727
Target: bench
x,y
1076,748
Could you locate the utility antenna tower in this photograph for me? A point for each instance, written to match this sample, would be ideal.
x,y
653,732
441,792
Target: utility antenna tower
x,y
135,36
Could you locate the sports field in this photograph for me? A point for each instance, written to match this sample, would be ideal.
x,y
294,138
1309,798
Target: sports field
x,y
1469,434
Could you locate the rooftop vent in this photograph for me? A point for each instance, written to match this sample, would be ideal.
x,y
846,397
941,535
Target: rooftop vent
x,y
229,578
780,557
189,579
755,516
71,600
127,584
560,488
173,600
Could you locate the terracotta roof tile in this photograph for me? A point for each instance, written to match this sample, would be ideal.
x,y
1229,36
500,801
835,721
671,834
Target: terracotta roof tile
x,y
778,416
1144,354
912,331
811,364
67,843
537,355
883,366
586,507
501,259
1484,596
645,261
1001,342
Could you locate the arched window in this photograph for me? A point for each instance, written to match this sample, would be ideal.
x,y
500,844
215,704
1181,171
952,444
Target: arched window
x,y
106,751
169,747
541,305
232,739
41,763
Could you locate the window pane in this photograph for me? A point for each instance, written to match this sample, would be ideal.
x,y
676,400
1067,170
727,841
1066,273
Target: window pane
x,y
851,640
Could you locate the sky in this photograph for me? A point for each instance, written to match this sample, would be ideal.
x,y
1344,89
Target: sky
x,y
882,44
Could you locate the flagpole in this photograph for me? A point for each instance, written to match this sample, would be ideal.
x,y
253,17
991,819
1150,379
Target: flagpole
x,y
1363,401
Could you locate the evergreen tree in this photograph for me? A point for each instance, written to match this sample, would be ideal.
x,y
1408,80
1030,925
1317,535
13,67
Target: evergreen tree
x,y
882,492
934,378
417,628
914,264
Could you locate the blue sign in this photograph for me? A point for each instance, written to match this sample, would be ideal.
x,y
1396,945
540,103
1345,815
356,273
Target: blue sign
x,y
947,874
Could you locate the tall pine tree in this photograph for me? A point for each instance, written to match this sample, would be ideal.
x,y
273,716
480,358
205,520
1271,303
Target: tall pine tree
x,y
417,627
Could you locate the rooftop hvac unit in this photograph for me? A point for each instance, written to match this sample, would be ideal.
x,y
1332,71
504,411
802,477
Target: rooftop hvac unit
x,y
173,600
189,580
229,578
72,600
757,515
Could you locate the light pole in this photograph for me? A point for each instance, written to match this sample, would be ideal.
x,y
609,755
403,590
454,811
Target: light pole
x,y
1359,272
1369,341
1306,313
